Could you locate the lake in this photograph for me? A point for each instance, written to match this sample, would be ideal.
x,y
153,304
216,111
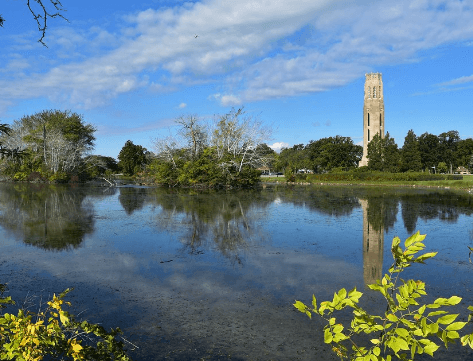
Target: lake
x,y
191,275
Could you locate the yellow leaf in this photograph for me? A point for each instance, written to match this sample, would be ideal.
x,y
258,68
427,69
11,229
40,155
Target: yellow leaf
x,y
76,347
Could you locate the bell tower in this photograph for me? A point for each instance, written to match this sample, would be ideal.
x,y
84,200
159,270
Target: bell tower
x,y
373,111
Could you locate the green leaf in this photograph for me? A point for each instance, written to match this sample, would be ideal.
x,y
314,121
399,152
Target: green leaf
x,y
448,319
342,293
435,313
402,332
431,348
314,303
456,326
300,306
327,336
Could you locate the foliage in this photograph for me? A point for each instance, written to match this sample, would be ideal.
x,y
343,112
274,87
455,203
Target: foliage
x,y
132,158
407,328
54,333
383,154
442,168
220,154
328,153
410,154
47,142
99,165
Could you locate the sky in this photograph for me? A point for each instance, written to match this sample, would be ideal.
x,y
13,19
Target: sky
x,y
132,67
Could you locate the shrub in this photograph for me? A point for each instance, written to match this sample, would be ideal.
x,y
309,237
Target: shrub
x,y
53,333
407,327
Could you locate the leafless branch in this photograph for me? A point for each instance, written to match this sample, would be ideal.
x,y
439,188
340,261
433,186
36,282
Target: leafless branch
x,y
42,14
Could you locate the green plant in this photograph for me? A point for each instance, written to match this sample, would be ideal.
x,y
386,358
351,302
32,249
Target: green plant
x,y
407,327
53,333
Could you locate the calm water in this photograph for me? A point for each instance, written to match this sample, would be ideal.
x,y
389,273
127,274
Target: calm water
x,y
212,275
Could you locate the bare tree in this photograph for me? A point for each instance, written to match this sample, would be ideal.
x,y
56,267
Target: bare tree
x,y
239,135
41,12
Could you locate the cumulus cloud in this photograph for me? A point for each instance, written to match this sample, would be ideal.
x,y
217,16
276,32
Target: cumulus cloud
x,y
278,146
182,105
252,48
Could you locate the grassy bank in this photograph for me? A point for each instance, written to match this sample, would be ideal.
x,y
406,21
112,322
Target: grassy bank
x,y
380,178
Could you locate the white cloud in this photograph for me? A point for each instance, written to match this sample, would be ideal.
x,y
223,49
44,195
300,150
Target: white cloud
x,y
461,80
247,44
278,146
182,105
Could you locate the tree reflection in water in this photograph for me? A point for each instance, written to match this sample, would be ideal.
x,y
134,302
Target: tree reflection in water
x,y
46,216
224,221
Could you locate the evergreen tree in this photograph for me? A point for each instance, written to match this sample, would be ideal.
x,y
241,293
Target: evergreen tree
x,y
410,154
132,158
383,154
429,147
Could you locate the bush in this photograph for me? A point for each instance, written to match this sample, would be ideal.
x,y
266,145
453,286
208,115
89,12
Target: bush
x,y
53,333
407,328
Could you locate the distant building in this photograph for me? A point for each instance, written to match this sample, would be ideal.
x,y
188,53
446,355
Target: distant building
x,y
373,111
462,170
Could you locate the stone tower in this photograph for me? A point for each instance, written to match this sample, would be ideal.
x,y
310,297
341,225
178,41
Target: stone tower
x,y
373,111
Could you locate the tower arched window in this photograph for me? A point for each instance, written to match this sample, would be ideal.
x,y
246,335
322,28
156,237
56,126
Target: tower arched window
x,y
374,92
369,92
368,135
368,119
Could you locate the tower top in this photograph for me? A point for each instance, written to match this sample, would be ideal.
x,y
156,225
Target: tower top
x,y
374,76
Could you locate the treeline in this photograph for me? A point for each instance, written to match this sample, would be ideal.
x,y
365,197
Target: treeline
x,y
428,153
55,145
228,150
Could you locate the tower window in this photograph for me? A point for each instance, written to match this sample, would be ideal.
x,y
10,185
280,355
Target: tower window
x,y
368,135
369,92
380,121
374,92
369,119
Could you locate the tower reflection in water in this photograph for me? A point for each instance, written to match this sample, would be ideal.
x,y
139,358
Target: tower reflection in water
x,y
373,247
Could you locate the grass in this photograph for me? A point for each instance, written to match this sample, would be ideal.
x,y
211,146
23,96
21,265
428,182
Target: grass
x,y
377,178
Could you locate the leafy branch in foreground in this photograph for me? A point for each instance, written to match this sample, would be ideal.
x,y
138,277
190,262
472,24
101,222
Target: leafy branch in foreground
x,y
54,334
407,328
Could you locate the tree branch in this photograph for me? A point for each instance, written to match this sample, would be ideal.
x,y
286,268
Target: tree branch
x,y
41,16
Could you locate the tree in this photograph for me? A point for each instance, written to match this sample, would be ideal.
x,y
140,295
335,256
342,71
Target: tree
x,y
99,165
383,154
51,141
41,13
292,159
410,154
464,152
429,147
224,152
132,158
448,145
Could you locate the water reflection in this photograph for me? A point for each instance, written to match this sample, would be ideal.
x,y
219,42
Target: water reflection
x,y
222,221
46,216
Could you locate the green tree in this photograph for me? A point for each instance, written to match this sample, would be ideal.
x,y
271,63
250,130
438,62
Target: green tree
x,y
410,154
51,141
99,165
448,145
442,168
132,158
464,152
429,147
383,154
294,158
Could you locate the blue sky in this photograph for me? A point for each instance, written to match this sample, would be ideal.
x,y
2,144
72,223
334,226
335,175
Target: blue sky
x,y
131,68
